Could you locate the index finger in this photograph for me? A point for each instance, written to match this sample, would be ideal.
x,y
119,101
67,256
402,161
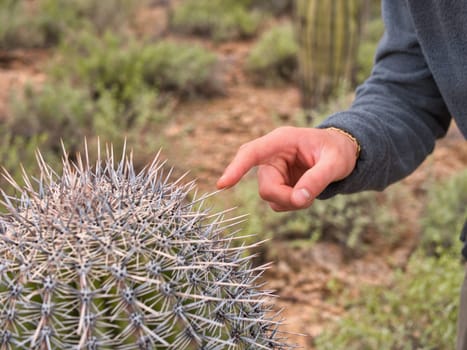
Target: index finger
x,y
250,155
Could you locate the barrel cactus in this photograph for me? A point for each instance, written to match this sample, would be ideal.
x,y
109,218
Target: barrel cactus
x,y
104,257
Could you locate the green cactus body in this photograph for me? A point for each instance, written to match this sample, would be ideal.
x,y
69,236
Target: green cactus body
x,y
101,257
327,32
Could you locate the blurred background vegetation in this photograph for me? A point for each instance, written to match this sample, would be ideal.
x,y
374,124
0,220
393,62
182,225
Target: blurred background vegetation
x,y
109,74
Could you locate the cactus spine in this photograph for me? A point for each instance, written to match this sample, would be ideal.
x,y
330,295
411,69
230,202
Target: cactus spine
x,y
327,32
102,257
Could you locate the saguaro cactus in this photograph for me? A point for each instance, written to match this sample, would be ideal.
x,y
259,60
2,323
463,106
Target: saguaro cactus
x,y
101,257
327,32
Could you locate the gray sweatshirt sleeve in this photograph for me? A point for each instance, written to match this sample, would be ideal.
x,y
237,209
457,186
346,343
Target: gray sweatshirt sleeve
x,y
398,113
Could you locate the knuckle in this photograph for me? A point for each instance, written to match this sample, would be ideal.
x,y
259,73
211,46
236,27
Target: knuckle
x,y
265,192
283,130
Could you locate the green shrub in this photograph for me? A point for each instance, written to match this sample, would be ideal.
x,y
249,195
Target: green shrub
x,y
218,19
418,312
182,68
102,64
56,111
274,57
444,214
354,221
276,7
18,153
20,28
128,66
98,16
60,112
46,22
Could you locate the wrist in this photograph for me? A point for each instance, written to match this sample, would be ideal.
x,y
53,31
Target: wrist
x,y
353,140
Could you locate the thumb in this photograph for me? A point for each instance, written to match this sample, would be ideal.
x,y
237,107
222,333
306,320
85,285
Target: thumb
x,y
313,182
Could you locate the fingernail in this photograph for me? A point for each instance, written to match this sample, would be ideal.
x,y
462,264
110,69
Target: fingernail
x,y
301,197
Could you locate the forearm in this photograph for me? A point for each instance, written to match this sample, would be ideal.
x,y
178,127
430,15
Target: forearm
x,y
398,112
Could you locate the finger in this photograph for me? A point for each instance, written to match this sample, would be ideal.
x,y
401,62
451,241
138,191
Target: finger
x,y
314,181
252,154
272,186
279,208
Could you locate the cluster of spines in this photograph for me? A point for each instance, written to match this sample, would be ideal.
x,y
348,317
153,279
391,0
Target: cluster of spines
x,y
101,257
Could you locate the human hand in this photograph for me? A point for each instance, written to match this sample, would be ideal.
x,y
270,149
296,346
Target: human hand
x,y
294,164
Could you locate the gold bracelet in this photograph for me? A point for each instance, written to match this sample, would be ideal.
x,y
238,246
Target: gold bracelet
x,y
350,136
